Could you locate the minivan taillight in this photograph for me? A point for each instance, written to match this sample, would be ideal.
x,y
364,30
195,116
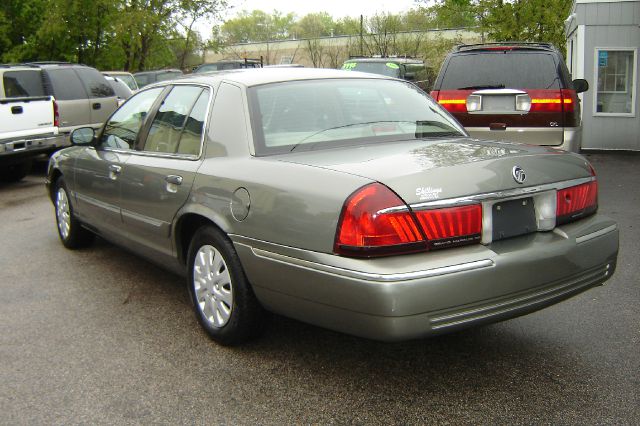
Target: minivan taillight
x,y
453,100
576,202
376,222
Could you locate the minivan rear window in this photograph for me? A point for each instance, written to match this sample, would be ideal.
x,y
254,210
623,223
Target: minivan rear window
x,y
25,83
501,69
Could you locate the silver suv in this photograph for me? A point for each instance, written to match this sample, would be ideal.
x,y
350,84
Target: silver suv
x,y
83,96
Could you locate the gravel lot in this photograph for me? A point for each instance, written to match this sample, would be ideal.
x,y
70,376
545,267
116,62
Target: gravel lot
x,y
101,336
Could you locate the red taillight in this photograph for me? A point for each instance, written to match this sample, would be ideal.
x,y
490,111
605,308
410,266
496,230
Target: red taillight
x,y
367,227
576,202
454,100
56,115
547,101
376,222
452,225
569,100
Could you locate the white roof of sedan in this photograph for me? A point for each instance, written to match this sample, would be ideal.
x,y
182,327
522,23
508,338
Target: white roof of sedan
x,y
258,76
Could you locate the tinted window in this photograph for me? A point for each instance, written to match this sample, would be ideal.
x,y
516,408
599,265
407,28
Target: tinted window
x,y
509,69
22,83
167,126
207,68
66,84
144,79
121,131
168,75
95,83
326,113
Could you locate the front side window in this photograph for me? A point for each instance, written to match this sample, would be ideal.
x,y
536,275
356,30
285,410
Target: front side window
x,y
121,131
615,76
177,126
325,113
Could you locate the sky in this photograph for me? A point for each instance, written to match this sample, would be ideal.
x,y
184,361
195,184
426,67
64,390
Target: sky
x,y
335,8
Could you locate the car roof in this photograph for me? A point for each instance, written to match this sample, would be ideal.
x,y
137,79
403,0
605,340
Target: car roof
x,y
116,72
259,76
387,59
157,71
506,45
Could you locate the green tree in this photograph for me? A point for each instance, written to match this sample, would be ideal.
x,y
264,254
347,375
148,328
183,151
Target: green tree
x,y
257,26
314,25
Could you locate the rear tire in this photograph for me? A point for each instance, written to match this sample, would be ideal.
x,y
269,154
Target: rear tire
x,y
16,172
223,299
70,231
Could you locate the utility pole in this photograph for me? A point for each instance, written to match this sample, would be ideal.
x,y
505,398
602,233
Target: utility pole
x,y
361,26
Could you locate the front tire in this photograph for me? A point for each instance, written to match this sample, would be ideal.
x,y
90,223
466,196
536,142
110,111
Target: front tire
x,y
223,299
70,231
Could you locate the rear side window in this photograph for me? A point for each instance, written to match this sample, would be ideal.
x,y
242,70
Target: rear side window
x,y
501,69
95,84
171,119
19,84
168,76
66,84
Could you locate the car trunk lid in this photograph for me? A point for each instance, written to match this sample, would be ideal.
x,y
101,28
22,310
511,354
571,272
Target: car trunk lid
x,y
424,170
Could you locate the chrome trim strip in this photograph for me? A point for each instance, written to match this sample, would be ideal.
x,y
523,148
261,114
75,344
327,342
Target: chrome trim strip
x,y
499,92
383,278
596,234
510,193
96,203
142,218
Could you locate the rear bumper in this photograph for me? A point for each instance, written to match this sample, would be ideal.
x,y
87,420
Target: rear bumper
x,y
568,139
406,297
16,150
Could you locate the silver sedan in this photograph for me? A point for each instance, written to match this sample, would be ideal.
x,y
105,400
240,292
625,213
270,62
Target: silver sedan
x,y
347,200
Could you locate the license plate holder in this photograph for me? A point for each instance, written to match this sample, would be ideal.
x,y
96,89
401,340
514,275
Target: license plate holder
x,y
514,217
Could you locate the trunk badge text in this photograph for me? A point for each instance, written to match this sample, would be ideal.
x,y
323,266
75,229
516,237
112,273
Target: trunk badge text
x,y
518,174
428,193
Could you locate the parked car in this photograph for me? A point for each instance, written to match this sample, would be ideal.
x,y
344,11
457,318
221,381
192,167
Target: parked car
x,y
75,95
121,90
228,64
343,199
144,78
518,92
126,77
405,68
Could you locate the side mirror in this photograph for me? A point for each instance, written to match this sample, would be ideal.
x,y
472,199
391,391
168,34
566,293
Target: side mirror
x,y
83,136
409,76
581,85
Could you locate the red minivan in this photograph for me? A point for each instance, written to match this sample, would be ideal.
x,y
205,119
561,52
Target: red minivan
x,y
519,92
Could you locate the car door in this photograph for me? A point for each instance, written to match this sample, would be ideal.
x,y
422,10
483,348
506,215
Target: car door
x,y
102,98
98,169
156,181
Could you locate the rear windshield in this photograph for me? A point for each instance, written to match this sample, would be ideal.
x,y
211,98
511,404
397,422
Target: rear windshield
x,y
316,114
389,69
18,84
501,69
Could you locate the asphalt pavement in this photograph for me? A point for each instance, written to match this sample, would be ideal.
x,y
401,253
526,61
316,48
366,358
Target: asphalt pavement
x,y
100,336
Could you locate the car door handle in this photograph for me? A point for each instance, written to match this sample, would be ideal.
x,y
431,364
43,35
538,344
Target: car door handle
x,y
16,110
114,171
174,179
96,105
